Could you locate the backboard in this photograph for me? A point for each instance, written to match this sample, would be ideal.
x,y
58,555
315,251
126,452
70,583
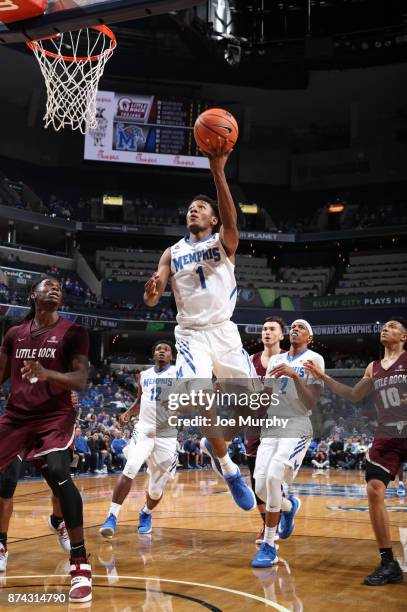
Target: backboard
x,y
69,15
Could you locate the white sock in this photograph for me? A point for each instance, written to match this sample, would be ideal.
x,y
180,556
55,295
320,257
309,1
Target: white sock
x,y
115,509
228,467
286,505
146,510
270,534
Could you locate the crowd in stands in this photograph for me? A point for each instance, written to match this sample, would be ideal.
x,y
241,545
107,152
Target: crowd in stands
x,y
380,215
338,453
77,296
370,207
76,209
100,439
343,361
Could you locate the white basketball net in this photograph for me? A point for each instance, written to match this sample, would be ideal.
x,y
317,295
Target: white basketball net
x,y
72,65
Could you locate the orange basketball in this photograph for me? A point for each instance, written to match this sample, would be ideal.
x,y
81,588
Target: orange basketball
x,y
213,123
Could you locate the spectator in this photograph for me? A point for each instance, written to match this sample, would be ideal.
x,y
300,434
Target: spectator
x,y
118,444
237,451
321,460
106,451
192,447
183,456
336,451
348,460
96,456
82,448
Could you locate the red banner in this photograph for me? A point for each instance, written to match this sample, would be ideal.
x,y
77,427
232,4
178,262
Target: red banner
x,y
17,10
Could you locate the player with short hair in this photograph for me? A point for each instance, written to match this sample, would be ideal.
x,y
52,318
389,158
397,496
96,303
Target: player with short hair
x,y
272,333
387,379
153,442
201,267
281,453
46,357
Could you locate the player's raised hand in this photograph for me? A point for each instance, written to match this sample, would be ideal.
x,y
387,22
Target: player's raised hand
x,y
124,418
312,368
34,371
219,154
151,287
283,370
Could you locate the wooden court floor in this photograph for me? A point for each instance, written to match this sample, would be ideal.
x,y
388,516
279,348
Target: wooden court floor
x,y
198,556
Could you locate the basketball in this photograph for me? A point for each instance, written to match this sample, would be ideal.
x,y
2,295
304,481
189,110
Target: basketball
x,y
213,123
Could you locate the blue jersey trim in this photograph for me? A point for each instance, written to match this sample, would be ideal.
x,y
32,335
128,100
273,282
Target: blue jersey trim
x,y
291,359
164,370
198,241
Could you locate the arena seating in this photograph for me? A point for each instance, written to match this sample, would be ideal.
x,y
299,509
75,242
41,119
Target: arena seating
x,y
382,272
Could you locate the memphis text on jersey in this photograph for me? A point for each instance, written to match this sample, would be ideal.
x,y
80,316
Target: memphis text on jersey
x,y
196,257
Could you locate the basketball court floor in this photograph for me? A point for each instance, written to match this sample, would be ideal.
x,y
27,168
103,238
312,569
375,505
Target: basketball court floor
x,y
198,555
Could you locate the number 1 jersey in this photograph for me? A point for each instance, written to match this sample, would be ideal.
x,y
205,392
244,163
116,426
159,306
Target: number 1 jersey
x,y
203,282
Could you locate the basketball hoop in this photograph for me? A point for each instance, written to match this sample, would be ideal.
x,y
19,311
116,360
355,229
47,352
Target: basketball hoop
x,y
72,80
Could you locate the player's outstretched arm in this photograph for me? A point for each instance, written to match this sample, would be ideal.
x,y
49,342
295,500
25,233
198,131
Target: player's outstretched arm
x,y
134,408
229,233
362,388
155,286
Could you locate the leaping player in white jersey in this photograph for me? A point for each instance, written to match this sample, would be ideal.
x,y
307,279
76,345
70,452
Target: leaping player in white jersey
x,y
282,451
153,442
201,267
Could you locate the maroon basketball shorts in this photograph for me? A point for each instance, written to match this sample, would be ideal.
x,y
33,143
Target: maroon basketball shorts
x,y
34,434
388,453
253,443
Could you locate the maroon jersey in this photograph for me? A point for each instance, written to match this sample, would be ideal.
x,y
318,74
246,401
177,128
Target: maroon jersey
x,y
54,347
253,440
390,391
258,366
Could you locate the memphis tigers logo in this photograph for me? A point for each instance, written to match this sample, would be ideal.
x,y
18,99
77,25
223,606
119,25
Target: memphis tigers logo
x,y
129,137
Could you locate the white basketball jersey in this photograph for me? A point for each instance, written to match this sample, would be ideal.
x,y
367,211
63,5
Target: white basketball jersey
x,y
285,386
203,282
155,387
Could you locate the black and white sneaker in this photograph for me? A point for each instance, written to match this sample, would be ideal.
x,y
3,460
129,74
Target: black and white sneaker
x,y
388,572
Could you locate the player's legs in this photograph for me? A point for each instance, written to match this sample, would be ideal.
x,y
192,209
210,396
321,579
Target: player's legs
x,y
162,465
261,506
232,365
278,459
56,521
59,477
198,354
389,571
57,525
8,483
15,435
138,451
263,488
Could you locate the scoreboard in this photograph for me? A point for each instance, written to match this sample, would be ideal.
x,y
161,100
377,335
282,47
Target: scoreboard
x,y
148,130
